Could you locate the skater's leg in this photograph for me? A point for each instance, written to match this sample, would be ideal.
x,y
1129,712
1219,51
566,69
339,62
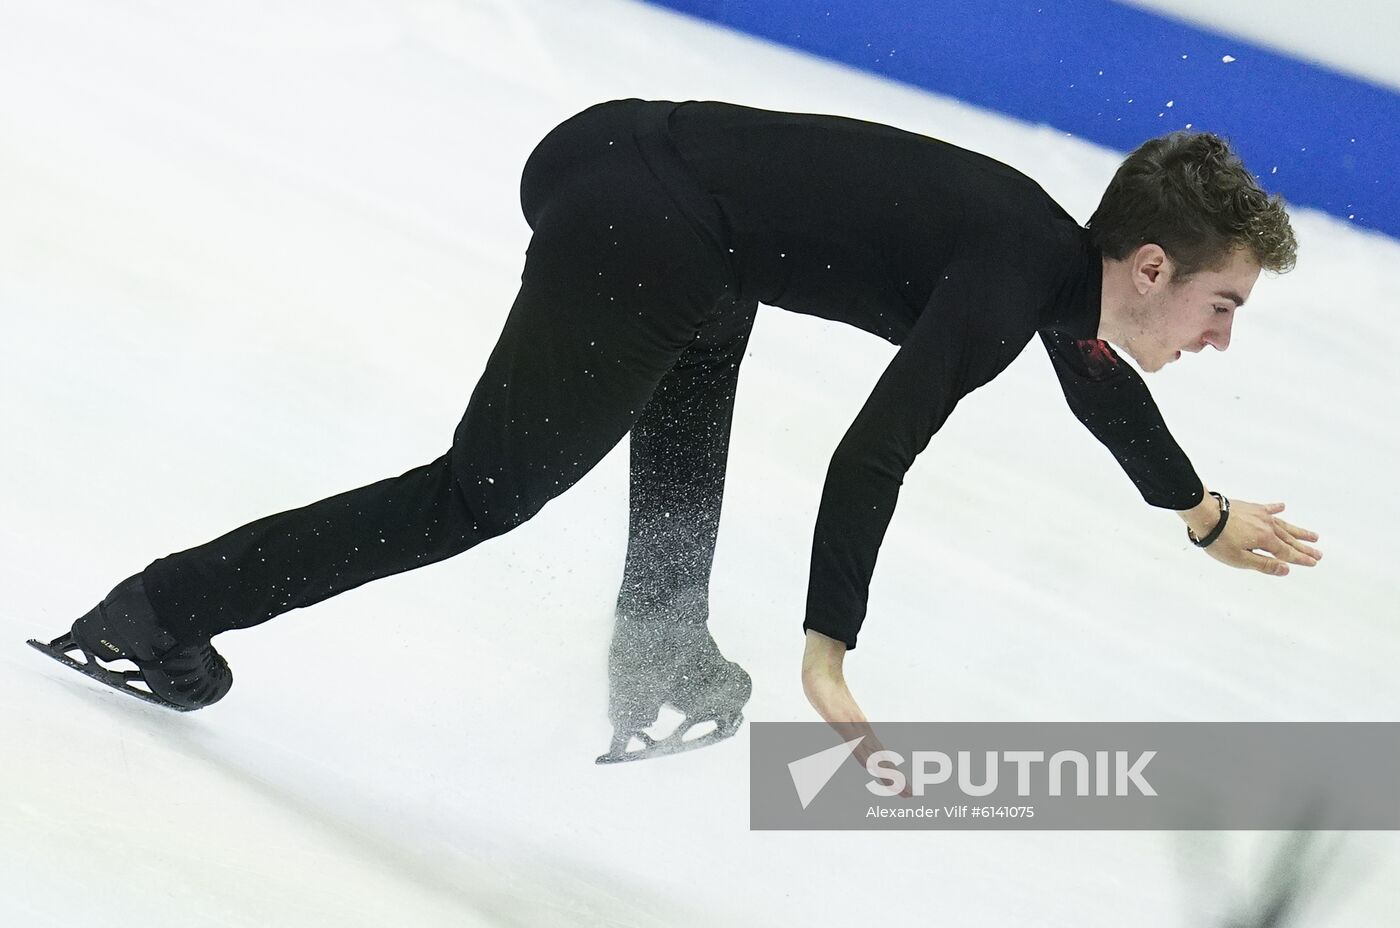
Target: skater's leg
x,y
679,453
616,285
551,403
662,650
299,557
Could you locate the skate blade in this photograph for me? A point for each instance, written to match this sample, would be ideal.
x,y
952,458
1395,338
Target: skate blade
x,y
59,649
673,743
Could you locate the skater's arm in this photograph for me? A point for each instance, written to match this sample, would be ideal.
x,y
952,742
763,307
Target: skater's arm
x,y
1113,402
1109,397
824,682
937,364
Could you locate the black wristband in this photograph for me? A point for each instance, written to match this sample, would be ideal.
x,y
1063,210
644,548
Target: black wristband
x,y
1219,526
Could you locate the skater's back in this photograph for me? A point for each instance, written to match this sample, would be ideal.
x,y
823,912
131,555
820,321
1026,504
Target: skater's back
x,y
857,222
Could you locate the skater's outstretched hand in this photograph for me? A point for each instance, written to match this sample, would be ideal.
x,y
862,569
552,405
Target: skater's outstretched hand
x,y
1254,537
824,682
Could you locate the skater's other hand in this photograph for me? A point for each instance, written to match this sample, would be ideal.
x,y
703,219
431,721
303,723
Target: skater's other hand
x,y
1255,538
824,682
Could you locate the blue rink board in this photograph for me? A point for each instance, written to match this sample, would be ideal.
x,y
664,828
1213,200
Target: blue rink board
x,y
1106,72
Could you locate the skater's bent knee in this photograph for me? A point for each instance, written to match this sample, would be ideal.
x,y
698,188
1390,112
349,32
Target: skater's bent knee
x,y
492,509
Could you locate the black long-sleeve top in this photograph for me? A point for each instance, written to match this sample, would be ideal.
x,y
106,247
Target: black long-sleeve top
x,y
951,255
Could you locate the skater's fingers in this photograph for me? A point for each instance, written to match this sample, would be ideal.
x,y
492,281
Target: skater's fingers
x,y
871,745
1281,547
1299,553
1303,533
1265,565
1283,550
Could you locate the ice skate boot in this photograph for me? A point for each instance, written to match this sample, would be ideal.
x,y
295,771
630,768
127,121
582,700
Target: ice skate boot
x,y
178,675
657,661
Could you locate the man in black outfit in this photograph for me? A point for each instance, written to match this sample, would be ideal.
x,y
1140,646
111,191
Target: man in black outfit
x,y
658,228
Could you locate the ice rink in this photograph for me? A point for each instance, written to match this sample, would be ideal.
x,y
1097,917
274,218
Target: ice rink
x,y
255,254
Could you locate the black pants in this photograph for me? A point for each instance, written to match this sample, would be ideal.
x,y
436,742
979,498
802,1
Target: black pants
x,y
628,318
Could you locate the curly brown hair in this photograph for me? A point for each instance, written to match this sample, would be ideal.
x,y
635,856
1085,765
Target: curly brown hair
x,y
1191,194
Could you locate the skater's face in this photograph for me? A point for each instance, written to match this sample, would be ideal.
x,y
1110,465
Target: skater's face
x,y
1175,315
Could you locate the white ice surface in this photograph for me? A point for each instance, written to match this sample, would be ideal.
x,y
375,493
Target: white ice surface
x,y
1356,37
255,254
